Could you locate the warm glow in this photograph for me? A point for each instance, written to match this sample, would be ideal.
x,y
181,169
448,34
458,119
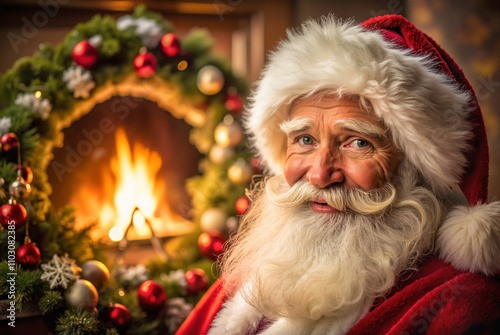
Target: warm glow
x,y
38,94
116,234
134,182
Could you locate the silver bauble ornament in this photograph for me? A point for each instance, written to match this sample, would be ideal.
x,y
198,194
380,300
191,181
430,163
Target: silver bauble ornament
x,y
81,294
228,135
97,273
210,80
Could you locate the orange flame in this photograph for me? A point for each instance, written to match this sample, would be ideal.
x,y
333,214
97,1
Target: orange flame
x,y
134,183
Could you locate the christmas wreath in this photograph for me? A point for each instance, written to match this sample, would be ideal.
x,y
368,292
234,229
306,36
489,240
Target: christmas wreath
x,y
55,265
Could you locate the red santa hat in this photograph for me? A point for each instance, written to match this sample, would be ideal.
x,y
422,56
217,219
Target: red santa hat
x,y
421,95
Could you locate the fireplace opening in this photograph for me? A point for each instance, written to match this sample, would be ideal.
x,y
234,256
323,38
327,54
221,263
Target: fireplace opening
x,y
126,153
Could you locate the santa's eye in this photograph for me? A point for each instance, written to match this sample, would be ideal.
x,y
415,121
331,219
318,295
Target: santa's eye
x,y
305,140
360,143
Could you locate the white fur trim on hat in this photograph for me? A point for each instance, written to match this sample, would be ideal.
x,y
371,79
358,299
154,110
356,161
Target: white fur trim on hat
x,y
469,238
424,111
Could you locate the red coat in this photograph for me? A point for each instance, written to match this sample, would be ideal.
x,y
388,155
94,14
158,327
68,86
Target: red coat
x,y
438,299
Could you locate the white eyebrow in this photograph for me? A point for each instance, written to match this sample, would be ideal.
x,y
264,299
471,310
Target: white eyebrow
x,y
295,125
363,128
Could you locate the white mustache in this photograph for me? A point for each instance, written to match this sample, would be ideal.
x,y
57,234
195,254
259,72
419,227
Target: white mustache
x,y
341,198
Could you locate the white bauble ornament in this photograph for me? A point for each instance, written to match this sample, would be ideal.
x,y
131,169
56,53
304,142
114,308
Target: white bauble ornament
x,y
219,154
210,80
213,219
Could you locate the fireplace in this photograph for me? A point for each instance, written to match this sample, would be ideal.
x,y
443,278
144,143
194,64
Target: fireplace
x,y
126,154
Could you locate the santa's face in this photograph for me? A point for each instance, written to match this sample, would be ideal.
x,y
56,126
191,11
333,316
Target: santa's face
x,y
334,142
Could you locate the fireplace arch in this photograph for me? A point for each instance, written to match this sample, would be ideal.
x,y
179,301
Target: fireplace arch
x,y
172,88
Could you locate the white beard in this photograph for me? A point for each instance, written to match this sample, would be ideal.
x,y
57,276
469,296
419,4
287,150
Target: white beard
x,y
319,273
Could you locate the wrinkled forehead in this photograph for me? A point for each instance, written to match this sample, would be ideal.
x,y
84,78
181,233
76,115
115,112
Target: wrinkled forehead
x,y
327,98
351,108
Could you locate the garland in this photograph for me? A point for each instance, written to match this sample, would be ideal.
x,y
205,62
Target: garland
x,y
137,55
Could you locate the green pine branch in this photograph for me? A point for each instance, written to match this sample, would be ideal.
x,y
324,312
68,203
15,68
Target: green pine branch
x,y
50,302
77,322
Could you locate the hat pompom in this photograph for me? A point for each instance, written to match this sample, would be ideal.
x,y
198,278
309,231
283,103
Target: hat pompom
x,y
469,238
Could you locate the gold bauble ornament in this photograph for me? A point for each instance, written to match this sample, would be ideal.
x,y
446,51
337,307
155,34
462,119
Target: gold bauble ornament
x,y
97,273
213,219
81,294
19,189
219,154
240,172
210,80
228,133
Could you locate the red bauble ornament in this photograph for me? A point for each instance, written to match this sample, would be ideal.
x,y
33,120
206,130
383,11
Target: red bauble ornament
x,y
85,54
9,141
170,45
28,255
242,205
13,214
233,103
211,244
197,281
152,296
145,64
26,173
120,316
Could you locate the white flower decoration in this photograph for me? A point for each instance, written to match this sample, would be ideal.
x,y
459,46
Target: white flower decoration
x,y
5,124
78,81
148,30
95,40
125,22
178,276
40,107
134,275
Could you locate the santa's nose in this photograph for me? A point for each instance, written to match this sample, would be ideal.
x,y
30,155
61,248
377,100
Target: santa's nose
x,y
325,171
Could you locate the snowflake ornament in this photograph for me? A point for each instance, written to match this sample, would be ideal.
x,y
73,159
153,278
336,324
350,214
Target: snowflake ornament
x,y
78,81
40,107
5,124
148,30
60,271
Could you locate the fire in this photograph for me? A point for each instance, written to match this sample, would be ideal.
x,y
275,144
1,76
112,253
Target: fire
x,y
135,185
134,182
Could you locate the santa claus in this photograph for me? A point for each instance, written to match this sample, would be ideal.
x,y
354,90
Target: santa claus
x,y
373,217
